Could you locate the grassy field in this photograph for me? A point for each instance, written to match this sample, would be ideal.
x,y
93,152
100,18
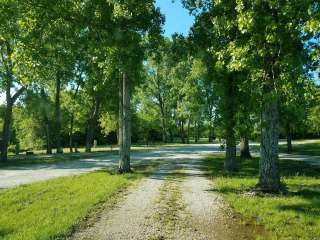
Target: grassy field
x,y
51,209
295,215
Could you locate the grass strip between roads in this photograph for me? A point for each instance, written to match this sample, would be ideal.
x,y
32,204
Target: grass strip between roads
x,y
295,215
51,209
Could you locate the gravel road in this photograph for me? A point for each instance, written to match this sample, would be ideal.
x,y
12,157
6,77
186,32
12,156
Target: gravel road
x,y
14,176
177,202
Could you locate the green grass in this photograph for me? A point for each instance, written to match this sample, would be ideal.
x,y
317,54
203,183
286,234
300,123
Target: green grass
x,y
303,147
295,215
51,209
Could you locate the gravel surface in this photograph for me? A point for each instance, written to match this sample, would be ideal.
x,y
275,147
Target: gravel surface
x,y
14,176
175,203
133,217
211,218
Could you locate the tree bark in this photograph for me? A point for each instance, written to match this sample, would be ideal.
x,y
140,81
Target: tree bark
x,y
10,100
124,163
244,148
48,137
72,115
182,131
230,160
162,111
120,123
269,179
8,120
188,132
163,122
58,114
171,135
91,125
6,131
196,129
71,133
45,117
210,137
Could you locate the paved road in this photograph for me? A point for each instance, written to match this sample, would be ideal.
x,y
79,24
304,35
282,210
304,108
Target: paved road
x,y
14,176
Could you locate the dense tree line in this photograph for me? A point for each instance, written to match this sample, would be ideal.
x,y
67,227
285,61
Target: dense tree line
x,y
75,71
259,45
67,59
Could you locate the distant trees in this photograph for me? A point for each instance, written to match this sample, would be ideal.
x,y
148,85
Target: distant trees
x,y
172,93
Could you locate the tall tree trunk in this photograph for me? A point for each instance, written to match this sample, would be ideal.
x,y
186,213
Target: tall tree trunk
x,y
48,138
289,139
245,148
8,121
163,119
164,128
89,135
10,100
230,160
120,121
71,133
58,114
196,131
44,112
182,131
124,164
210,137
72,116
171,135
91,125
6,131
269,179
188,132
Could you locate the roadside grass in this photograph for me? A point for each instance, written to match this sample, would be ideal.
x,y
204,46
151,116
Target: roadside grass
x,y
295,215
52,209
303,147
